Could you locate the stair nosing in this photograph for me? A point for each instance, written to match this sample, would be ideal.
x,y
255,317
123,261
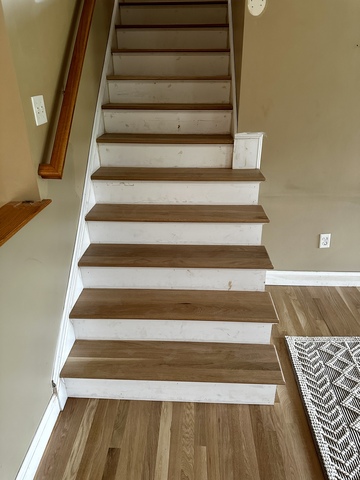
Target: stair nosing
x,y
177,256
166,78
150,214
168,106
159,4
169,50
179,26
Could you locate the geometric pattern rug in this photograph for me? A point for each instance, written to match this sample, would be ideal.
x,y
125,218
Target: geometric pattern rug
x,y
328,374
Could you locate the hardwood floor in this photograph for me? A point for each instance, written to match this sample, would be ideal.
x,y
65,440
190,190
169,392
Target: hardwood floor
x,y
128,440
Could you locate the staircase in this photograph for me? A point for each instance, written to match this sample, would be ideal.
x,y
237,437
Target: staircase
x,y
173,305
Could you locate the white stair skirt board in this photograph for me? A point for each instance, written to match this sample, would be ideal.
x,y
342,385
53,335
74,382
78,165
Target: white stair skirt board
x,y
319,279
168,14
172,330
165,156
175,63
174,278
172,38
168,122
175,233
247,150
196,193
169,91
172,391
37,448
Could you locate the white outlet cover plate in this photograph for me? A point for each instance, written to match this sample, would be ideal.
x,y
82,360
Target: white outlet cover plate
x,y
38,105
256,7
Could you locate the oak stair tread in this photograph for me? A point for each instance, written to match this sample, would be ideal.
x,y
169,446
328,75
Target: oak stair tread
x,y
177,213
176,256
153,304
167,106
174,362
170,50
171,26
178,174
146,138
176,2
192,78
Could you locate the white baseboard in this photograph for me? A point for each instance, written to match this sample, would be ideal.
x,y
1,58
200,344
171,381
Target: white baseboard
x,y
36,450
320,279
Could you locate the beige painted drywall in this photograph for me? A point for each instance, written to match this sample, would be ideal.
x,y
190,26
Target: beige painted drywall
x,y
35,263
17,175
300,84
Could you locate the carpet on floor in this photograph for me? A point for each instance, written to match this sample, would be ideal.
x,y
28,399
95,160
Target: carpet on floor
x,y
327,370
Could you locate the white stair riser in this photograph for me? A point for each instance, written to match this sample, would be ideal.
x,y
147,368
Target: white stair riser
x,y
175,233
198,193
172,330
165,156
169,14
169,91
172,391
171,122
172,64
174,278
172,38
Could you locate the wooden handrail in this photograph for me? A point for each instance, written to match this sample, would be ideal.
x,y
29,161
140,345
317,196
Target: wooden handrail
x,y
55,168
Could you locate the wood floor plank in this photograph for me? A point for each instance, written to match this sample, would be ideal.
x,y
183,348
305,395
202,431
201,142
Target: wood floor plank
x,y
178,174
163,448
169,139
207,305
177,213
176,256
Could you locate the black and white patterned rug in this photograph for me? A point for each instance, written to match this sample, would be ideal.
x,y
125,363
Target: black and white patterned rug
x,y
328,375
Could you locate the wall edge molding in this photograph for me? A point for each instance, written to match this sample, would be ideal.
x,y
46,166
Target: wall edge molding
x,y
320,279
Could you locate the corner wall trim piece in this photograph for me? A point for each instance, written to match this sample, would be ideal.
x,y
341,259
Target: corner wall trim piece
x,y
320,279
36,450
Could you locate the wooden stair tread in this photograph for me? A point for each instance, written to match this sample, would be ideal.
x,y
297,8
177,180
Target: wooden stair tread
x,y
174,361
176,256
167,106
170,50
178,174
166,78
176,2
165,139
177,213
200,305
177,26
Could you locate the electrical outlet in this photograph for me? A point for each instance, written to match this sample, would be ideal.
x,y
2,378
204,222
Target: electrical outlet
x,y
39,109
324,240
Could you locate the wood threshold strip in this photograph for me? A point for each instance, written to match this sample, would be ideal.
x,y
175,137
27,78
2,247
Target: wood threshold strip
x,y
15,215
55,168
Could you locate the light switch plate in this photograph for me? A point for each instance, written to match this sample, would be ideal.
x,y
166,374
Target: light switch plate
x,y
39,109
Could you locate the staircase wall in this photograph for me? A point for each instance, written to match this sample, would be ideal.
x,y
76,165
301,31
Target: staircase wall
x,y
34,264
300,85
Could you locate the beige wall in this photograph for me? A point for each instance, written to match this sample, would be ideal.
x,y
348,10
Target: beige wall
x,y
17,175
300,85
34,264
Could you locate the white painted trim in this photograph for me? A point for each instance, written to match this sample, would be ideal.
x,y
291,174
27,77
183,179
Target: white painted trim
x,y
321,279
66,335
232,69
36,450
249,394
247,150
